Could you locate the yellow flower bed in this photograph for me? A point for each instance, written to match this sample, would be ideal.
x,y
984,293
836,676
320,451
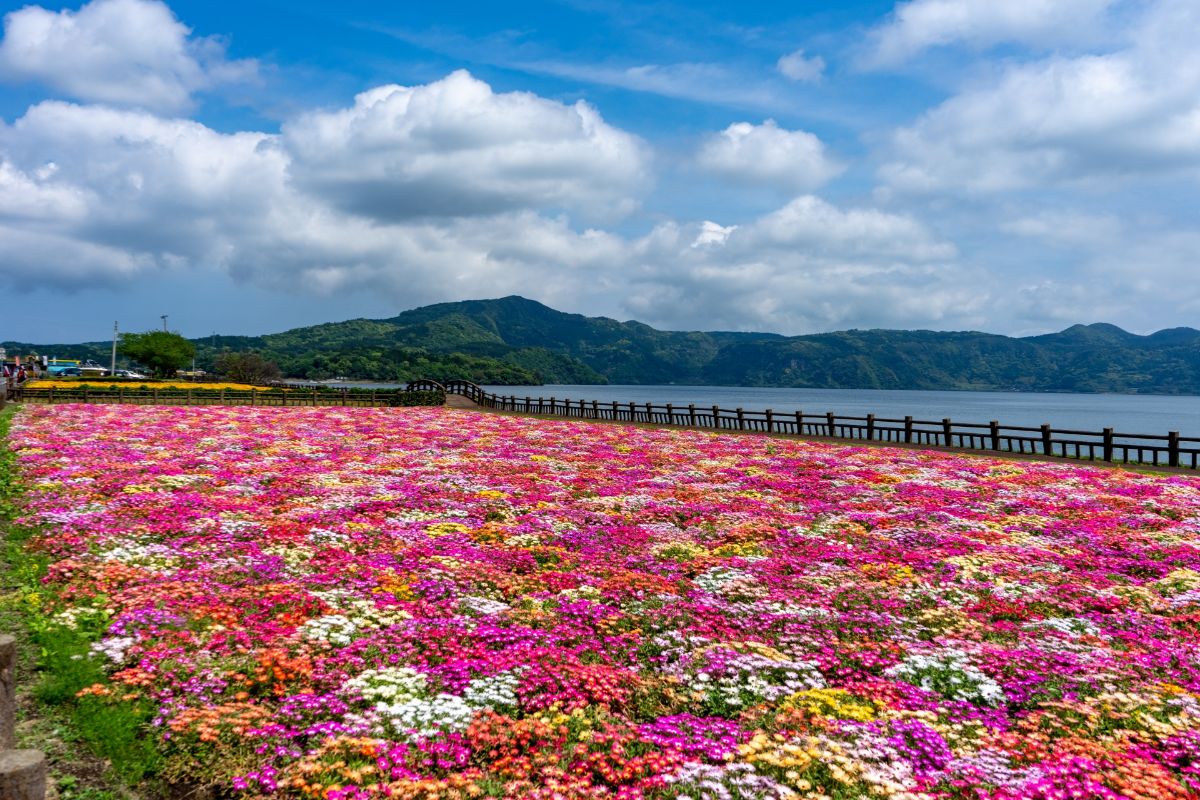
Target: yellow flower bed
x,y
100,383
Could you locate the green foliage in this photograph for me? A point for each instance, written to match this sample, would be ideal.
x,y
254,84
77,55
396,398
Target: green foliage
x,y
248,367
118,732
161,352
114,730
69,788
402,364
64,664
10,490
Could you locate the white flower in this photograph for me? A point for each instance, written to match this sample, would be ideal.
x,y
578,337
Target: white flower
x,y
391,684
483,606
1071,626
493,691
336,629
114,648
421,717
949,673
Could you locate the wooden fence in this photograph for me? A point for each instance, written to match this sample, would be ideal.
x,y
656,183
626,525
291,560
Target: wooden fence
x,y
233,397
1169,450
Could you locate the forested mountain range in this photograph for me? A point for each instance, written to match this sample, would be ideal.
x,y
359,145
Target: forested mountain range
x,y
518,341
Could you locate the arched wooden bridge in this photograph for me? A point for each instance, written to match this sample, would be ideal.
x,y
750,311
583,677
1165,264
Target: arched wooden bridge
x,y
452,389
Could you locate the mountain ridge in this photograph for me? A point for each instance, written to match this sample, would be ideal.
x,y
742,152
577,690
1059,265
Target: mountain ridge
x,y
516,340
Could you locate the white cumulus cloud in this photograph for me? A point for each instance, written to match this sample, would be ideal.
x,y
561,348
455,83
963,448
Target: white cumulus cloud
x,y
123,52
97,196
808,266
921,24
1063,120
456,148
104,180
766,154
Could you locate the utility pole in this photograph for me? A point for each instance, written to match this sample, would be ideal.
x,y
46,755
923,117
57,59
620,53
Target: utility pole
x,y
164,319
112,373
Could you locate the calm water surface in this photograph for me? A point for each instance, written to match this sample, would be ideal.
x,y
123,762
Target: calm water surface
x,y
1126,413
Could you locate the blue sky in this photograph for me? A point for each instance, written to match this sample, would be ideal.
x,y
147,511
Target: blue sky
x,y
949,164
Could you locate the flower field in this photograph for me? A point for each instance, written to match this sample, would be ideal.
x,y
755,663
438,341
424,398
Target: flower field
x,y
430,603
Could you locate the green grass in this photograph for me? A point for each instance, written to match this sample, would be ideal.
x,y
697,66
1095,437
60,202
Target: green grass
x,y
99,746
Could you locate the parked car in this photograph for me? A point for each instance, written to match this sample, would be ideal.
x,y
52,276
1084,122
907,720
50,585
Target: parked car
x,y
128,373
70,372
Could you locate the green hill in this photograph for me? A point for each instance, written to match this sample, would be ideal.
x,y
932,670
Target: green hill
x,y
517,341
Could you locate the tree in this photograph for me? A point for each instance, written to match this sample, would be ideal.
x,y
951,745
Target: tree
x,y
159,351
247,368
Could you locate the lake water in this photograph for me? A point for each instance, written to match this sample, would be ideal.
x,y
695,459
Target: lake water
x,y
1126,413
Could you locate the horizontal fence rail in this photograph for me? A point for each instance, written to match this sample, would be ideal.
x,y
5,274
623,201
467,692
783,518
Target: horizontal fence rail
x,y
325,396
1170,450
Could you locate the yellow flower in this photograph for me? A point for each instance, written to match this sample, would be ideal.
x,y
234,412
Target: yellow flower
x,y
446,528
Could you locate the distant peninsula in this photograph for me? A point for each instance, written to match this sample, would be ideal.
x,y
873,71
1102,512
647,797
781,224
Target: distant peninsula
x,y
517,341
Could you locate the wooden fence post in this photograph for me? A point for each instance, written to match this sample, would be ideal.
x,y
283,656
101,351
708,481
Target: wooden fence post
x,y
670,414
948,431
741,417
22,775
1047,441
1108,444
799,423
770,421
649,413
85,393
52,395
1173,449
553,402
22,772
716,417
830,420
908,430
995,429
189,396
8,699
870,427
120,395
155,392
692,414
